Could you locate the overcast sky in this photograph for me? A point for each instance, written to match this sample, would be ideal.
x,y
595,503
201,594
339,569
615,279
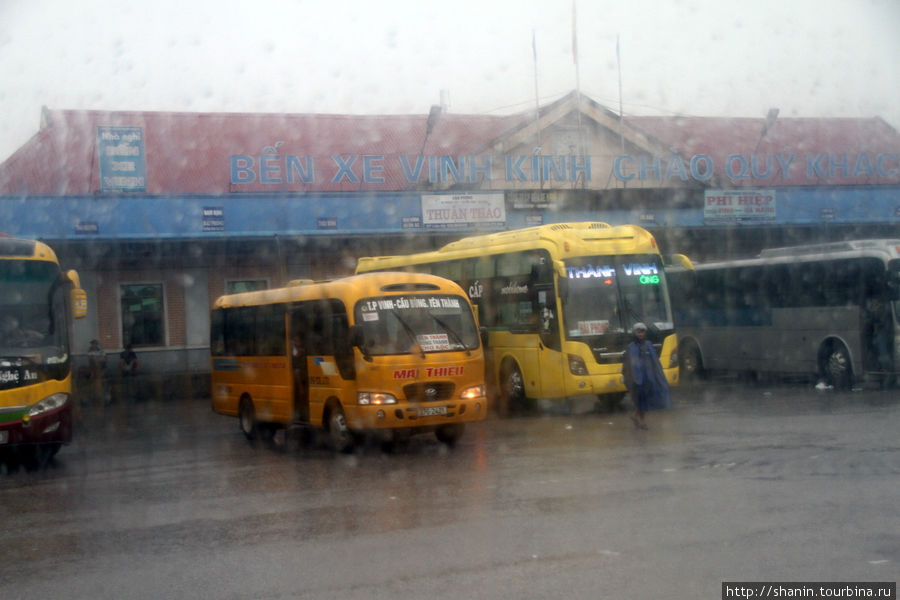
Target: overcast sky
x,y
809,58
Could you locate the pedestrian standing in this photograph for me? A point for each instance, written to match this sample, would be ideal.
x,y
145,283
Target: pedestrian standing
x,y
97,359
128,365
644,377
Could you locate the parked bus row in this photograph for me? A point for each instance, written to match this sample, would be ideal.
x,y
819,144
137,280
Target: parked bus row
x,y
396,350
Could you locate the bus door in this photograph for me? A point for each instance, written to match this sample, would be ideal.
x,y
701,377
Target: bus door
x,y
329,355
299,331
550,356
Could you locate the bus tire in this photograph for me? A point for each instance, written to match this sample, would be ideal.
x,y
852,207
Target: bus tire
x,y
247,419
339,434
835,366
450,434
609,403
691,362
512,388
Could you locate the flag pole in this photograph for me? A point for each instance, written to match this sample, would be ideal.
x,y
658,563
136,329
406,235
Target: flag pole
x,y
537,98
581,136
537,109
621,113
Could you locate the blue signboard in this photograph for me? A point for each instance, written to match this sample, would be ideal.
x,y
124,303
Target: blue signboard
x,y
122,164
120,216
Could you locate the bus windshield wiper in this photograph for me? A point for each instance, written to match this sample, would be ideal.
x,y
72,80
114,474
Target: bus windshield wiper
x,y
638,318
456,337
409,331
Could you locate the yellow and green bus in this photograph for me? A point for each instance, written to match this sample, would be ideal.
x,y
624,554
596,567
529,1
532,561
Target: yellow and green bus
x,y
558,302
37,301
387,353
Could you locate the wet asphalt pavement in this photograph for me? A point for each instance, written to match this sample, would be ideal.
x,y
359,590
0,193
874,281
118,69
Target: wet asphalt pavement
x,y
164,499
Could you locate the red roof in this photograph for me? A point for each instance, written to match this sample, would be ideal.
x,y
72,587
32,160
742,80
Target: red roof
x,y
805,139
190,153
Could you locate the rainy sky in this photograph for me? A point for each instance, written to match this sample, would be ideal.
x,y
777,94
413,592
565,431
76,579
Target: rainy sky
x,y
809,58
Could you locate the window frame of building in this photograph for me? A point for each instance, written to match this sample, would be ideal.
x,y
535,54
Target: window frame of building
x,y
161,338
259,283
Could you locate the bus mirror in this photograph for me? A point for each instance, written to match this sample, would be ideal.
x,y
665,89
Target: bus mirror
x,y
679,260
72,274
563,285
483,332
79,303
356,336
893,286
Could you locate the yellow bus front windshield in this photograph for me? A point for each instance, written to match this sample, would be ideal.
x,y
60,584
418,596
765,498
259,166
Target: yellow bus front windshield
x,y
419,323
608,295
33,317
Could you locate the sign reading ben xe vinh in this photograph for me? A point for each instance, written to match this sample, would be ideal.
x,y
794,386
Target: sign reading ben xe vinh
x,y
305,171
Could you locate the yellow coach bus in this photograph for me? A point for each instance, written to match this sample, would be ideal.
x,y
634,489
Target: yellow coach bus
x,y
37,301
559,302
392,353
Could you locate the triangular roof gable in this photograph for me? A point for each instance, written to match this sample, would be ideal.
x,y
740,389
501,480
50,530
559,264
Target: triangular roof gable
x,y
526,132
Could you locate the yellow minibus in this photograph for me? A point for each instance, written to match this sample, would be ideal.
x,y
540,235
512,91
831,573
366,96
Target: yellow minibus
x,y
392,353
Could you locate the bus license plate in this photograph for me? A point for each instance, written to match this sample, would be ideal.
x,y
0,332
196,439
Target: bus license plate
x,y
4,437
432,411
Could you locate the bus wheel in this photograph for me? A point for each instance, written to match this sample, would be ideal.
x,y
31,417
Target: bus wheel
x,y
266,431
691,362
449,434
512,389
609,403
338,432
835,366
247,419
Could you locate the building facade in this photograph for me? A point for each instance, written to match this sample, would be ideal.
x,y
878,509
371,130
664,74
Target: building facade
x,y
163,212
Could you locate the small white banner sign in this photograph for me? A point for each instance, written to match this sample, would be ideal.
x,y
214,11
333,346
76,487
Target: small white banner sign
x,y
463,210
739,205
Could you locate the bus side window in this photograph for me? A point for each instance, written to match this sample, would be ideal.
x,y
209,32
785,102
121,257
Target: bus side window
x,y
217,333
270,331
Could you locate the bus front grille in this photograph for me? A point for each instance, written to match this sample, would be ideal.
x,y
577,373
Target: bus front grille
x,y
429,391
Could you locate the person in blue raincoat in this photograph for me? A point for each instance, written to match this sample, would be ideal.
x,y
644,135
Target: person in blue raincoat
x,y
644,377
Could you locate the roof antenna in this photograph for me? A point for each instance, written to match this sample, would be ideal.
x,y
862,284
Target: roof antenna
x,y
433,116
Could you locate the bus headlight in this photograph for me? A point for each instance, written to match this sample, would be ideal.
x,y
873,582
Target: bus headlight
x,y
673,360
374,398
52,402
476,391
577,365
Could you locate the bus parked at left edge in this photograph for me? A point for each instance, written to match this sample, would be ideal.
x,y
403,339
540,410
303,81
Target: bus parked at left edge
x,y
37,301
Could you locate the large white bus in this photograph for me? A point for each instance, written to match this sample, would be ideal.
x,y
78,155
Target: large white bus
x,y
829,309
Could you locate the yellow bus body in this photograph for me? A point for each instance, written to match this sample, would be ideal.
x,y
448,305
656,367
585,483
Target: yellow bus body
x,y
546,374
268,380
36,402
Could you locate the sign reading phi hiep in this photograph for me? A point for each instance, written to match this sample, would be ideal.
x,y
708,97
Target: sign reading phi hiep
x,y
739,205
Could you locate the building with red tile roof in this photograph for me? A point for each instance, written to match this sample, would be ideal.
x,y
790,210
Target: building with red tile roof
x,y
185,206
